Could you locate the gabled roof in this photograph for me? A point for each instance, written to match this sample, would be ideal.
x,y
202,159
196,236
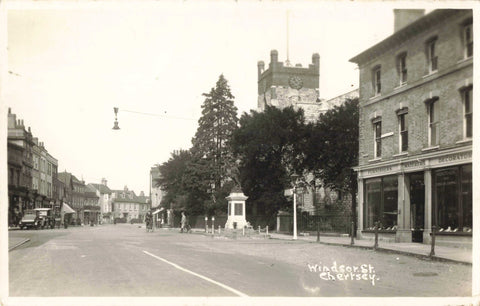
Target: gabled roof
x,y
77,181
65,178
130,196
415,28
143,199
102,188
90,194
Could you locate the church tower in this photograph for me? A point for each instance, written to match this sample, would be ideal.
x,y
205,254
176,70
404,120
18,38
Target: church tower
x,y
282,86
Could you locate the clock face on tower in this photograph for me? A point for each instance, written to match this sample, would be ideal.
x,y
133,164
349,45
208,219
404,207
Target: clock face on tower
x,y
295,82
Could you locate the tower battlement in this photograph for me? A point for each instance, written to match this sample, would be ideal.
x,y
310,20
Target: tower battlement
x,y
278,74
283,85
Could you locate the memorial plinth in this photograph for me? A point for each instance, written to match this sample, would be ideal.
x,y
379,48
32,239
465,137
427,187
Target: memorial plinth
x,y
236,209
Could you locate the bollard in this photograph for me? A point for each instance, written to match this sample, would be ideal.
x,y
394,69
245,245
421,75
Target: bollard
x,y
432,251
267,230
206,224
243,231
318,231
213,225
259,229
219,229
375,246
352,234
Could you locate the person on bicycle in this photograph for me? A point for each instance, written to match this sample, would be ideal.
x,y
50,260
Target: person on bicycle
x,y
148,220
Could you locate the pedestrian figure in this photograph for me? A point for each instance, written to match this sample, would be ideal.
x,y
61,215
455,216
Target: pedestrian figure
x,y
149,221
183,222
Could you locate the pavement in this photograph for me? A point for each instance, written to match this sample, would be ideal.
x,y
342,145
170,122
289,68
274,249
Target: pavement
x,y
444,253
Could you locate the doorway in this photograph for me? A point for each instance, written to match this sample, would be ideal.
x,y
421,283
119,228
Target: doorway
x,y
417,206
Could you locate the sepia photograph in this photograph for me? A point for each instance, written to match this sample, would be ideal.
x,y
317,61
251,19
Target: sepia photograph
x,y
238,152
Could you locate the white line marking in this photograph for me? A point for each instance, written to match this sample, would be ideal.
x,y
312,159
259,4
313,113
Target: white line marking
x,y
198,275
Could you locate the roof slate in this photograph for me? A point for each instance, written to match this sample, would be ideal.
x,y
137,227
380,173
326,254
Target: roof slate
x,y
102,188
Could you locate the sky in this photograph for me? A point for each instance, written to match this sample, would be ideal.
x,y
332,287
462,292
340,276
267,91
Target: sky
x,y
71,64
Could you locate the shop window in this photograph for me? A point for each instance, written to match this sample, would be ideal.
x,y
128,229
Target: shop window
x,y
381,202
466,199
432,110
468,40
468,112
402,68
453,199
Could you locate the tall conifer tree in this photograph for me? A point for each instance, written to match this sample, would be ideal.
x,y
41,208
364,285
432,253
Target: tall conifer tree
x,y
211,144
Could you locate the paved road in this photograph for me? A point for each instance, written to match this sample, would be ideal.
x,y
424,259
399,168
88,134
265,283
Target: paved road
x,y
124,260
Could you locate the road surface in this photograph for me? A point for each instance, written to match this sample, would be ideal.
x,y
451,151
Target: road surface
x,y
124,260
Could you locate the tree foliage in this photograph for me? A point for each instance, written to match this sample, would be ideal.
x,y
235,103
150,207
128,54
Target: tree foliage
x,y
211,144
198,180
332,150
333,146
269,146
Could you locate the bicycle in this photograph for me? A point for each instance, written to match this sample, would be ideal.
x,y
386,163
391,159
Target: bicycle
x,y
149,226
186,229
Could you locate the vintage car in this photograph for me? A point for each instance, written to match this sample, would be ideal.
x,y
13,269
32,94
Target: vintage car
x,y
29,220
45,218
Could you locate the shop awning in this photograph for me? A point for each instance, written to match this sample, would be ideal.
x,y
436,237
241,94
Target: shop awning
x,y
66,209
158,210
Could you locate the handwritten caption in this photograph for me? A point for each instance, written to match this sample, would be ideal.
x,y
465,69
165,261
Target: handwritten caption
x,y
334,272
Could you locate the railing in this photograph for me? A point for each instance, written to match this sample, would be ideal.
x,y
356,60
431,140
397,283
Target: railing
x,y
326,223
199,221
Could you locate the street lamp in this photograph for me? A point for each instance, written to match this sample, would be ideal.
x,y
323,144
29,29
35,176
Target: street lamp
x,y
295,177
115,124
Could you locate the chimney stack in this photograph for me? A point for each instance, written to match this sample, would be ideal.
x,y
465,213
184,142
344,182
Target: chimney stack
x,y
404,17
274,56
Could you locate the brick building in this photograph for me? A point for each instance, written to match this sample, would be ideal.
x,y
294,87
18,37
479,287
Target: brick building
x,y
126,204
415,129
31,171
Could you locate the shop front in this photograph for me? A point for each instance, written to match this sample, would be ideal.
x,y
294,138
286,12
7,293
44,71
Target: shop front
x,y
406,197
91,215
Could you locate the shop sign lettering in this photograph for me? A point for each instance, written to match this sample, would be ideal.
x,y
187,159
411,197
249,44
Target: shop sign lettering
x,y
454,157
414,163
381,169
